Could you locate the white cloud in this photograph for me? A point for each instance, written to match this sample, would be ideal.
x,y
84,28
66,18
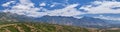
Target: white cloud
x,y
8,3
23,8
42,4
55,4
108,18
26,7
52,5
70,10
102,7
26,2
67,11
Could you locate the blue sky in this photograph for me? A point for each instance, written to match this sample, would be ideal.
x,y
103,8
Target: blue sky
x,y
50,2
65,8
37,2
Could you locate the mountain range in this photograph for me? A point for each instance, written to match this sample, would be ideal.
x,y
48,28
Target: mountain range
x,y
87,22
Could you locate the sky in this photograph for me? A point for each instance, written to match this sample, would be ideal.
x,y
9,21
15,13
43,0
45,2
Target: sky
x,y
104,9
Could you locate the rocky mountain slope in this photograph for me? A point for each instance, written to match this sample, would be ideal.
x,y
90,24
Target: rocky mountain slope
x,y
20,23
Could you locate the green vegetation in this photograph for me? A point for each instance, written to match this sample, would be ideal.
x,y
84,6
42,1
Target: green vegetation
x,y
44,27
39,27
9,24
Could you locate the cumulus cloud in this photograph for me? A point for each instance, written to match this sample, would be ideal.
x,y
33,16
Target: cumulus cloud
x,y
98,7
26,7
55,4
52,5
103,7
70,10
42,4
8,3
23,8
108,18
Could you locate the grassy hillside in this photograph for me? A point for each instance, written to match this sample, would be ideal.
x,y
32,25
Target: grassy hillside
x,y
38,27
10,23
44,27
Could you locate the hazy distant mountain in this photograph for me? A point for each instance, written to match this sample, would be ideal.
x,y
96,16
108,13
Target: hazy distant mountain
x,y
15,23
83,22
